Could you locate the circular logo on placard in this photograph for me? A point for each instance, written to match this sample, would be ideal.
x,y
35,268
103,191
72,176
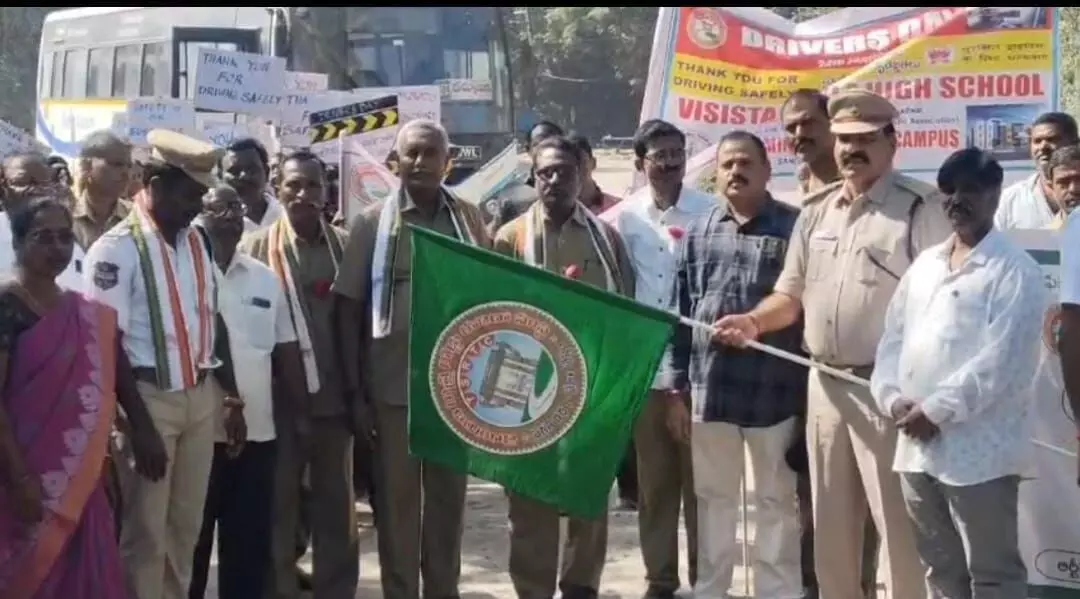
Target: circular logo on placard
x,y
1052,328
508,378
369,184
706,28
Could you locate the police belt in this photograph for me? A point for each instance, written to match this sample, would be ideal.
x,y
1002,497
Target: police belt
x,y
147,374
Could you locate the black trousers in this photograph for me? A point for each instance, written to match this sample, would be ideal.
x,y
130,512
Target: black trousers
x,y
239,503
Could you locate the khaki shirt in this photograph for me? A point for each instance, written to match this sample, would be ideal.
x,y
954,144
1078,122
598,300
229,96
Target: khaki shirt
x,y
385,367
316,273
571,244
846,256
87,230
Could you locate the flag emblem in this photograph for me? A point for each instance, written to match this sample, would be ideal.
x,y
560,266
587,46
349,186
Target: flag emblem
x,y
508,378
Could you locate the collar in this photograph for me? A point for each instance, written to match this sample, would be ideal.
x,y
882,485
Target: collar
x,y
768,210
406,203
82,210
578,216
238,262
689,201
273,208
875,195
980,254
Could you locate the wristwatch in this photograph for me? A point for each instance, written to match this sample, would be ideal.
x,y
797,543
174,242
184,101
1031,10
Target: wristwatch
x,y
233,402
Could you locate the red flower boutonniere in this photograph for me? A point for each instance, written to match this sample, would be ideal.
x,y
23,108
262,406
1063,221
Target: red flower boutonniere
x,y
676,232
572,272
321,288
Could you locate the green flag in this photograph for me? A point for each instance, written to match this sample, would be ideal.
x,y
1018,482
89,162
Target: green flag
x,y
523,377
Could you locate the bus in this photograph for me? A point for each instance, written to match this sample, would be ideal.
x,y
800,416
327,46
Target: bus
x,y
92,60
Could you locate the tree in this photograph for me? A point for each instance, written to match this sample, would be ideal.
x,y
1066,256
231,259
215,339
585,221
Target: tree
x,y
20,28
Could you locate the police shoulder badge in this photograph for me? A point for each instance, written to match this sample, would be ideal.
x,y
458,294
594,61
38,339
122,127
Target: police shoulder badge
x,y
106,275
508,378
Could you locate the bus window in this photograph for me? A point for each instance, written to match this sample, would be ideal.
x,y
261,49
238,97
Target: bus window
x,y
75,74
99,75
155,71
45,75
463,64
125,82
56,87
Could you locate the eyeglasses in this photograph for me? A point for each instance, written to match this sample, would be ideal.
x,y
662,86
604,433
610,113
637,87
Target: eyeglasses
x,y
666,156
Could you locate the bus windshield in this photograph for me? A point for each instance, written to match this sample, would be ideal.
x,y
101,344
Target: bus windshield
x,y
460,48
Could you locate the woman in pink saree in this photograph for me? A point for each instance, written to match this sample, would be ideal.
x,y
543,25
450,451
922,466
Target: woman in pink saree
x,y
61,373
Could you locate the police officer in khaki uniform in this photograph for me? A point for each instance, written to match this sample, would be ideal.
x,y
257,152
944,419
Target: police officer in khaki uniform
x,y
852,243
559,234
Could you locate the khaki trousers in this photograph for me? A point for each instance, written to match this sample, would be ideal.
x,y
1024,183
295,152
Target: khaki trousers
x,y
162,520
421,515
666,483
332,516
534,550
851,451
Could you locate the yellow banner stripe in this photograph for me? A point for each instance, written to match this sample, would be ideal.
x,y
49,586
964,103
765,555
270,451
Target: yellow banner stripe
x,y
974,54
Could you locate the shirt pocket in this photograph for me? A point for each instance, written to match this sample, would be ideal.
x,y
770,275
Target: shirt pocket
x,y
820,257
770,261
259,320
875,266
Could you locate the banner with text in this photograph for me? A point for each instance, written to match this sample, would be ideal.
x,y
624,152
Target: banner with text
x,y
960,77
1049,529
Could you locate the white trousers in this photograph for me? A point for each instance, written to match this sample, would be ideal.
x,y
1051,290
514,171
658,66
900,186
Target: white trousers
x,y
718,451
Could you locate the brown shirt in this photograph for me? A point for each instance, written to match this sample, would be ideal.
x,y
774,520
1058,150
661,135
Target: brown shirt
x,y
846,256
87,230
312,279
385,365
570,244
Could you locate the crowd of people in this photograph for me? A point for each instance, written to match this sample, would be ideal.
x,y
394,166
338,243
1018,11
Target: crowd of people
x,y
193,346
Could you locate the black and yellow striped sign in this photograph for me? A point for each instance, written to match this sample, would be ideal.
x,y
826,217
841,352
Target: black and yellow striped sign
x,y
354,118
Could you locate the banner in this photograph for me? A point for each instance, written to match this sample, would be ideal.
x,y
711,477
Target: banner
x,y
1049,528
967,76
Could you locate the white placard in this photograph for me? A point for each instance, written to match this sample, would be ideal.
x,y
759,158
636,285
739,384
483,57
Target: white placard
x,y
13,139
414,102
239,82
144,114
466,90
306,82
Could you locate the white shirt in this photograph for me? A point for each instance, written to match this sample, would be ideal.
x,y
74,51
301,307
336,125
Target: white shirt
x,y
1069,273
1023,205
71,278
113,275
254,308
654,251
274,210
965,345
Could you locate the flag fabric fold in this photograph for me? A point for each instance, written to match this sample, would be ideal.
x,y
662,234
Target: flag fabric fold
x,y
525,378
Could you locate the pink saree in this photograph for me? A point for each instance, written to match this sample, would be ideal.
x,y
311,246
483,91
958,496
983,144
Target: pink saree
x,y
61,400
